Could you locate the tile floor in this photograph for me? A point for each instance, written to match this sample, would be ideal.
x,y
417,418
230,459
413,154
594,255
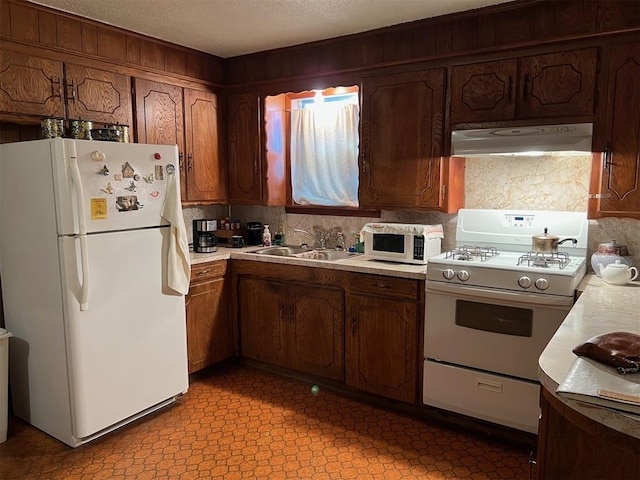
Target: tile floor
x,y
243,423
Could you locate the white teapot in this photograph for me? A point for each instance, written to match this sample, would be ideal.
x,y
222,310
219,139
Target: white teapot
x,y
618,273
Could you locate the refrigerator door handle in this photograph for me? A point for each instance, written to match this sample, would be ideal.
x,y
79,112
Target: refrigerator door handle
x,y
82,227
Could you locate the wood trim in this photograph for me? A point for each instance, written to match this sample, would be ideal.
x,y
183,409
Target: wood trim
x,y
339,211
45,28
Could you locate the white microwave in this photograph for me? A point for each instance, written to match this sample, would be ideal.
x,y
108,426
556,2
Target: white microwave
x,y
401,242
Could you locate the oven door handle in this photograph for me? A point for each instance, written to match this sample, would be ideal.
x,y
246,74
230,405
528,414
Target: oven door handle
x,y
519,298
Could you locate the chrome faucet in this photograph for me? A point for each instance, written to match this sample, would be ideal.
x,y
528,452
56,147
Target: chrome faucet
x,y
316,241
341,242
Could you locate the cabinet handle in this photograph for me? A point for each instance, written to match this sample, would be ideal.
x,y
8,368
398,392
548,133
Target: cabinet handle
x,y
381,285
607,156
181,162
364,162
354,325
203,272
71,96
255,165
189,162
59,84
525,87
510,94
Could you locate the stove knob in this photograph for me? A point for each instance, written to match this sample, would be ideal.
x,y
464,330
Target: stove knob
x,y
463,275
542,284
524,282
448,274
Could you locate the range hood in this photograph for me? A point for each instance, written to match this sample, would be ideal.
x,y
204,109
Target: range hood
x,y
573,138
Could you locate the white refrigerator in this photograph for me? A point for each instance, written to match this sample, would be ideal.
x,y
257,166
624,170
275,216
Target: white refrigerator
x,y
90,240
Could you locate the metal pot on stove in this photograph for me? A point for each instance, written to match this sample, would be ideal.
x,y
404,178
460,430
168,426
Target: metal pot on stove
x,y
547,243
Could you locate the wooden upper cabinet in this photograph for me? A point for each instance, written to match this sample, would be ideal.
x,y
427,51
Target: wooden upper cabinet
x,y
401,140
243,149
169,114
160,118
483,92
615,186
558,84
31,85
159,113
205,168
98,95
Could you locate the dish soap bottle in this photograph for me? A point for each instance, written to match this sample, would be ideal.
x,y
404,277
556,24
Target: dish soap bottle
x,y
266,237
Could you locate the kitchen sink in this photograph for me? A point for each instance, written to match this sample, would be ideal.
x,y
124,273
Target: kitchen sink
x,y
303,252
283,251
332,255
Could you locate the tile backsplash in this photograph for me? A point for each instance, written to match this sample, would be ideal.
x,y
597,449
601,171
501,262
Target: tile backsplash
x,y
549,182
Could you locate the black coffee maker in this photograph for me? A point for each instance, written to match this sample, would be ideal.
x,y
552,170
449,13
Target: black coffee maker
x,y
204,237
254,233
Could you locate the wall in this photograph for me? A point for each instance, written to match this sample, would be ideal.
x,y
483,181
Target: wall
x,y
550,182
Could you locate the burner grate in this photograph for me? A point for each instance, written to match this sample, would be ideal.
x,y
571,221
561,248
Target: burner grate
x,y
545,260
472,252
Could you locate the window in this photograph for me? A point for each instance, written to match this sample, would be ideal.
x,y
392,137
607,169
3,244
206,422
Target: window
x,y
320,131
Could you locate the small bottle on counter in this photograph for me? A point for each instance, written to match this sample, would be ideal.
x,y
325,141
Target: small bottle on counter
x,y
266,237
278,238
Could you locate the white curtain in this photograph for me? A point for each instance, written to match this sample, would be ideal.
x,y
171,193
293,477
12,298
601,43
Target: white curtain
x,y
324,155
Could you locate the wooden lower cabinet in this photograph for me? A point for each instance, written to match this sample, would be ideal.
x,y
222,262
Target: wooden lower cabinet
x,y
572,446
360,329
210,334
382,337
292,325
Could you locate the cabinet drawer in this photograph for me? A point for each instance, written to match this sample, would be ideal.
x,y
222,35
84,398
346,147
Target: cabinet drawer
x,y
205,271
387,286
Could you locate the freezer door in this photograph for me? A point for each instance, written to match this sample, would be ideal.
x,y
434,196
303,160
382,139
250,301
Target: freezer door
x,y
127,351
122,185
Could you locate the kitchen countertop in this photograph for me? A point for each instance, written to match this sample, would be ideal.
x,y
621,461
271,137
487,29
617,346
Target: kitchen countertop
x,y
357,263
601,308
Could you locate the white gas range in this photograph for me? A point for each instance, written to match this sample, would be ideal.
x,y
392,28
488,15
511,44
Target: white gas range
x,y
492,305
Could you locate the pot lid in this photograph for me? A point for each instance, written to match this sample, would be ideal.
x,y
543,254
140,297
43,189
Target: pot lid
x,y
612,248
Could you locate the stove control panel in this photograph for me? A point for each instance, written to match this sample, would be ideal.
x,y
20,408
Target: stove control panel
x,y
518,221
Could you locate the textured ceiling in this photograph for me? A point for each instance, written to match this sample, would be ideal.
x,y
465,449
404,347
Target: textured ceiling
x,y
234,27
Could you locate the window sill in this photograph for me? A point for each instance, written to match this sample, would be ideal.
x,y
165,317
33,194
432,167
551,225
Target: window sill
x,y
336,211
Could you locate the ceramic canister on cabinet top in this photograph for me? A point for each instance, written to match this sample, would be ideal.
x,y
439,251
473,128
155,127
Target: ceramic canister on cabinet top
x,y
609,253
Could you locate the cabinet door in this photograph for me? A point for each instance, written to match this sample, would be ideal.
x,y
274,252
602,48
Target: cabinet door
x,y
402,139
558,84
316,323
209,328
262,318
98,95
243,131
205,170
483,92
30,85
618,191
381,346
160,118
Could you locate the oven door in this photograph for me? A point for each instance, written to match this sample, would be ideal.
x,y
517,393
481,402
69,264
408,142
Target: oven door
x,y
492,330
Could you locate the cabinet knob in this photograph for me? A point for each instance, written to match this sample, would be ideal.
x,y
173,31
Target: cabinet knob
x,y
71,96
525,87
59,84
607,156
